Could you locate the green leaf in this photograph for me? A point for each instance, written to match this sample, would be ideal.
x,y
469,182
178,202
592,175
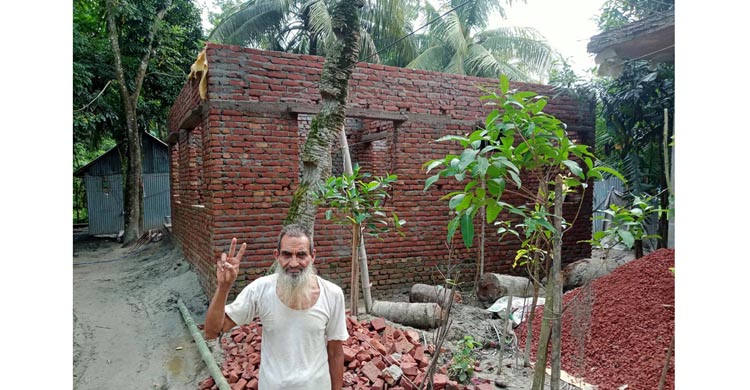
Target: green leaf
x,y
456,200
490,120
430,180
452,226
627,238
433,164
504,84
493,210
515,178
453,138
467,157
329,214
611,171
481,167
467,229
466,202
574,168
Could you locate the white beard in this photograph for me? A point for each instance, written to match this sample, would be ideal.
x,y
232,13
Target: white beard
x,y
295,291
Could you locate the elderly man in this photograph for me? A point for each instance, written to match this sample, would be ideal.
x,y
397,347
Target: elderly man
x,y
302,314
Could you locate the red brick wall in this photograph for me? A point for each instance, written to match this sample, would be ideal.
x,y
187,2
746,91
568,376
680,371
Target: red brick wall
x,y
250,166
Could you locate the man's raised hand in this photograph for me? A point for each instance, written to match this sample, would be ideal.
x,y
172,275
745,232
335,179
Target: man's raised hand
x,y
228,266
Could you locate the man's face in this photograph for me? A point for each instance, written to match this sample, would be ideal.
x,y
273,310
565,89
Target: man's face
x,y
295,255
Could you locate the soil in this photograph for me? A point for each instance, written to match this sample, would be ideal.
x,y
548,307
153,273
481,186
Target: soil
x,y
129,333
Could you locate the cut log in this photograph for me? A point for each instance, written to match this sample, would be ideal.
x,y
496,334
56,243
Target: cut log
x,y
424,293
494,286
417,315
581,271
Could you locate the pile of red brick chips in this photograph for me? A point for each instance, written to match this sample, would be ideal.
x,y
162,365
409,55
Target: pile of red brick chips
x,y
377,356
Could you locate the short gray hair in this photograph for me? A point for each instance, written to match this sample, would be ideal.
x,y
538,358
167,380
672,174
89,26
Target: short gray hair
x,y
295,230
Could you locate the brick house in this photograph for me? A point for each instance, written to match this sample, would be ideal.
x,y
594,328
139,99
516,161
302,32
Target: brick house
x,y
235,165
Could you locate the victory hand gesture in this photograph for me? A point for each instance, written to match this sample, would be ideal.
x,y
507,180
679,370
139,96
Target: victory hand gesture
x,y
227,267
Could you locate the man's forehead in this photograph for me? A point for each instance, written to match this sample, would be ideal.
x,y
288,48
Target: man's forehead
x,y
289,243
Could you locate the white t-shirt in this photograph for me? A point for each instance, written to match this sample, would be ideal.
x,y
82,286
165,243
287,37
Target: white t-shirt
x,y
293,352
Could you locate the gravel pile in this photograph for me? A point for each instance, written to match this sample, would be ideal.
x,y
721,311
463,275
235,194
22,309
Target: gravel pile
x,y
617,332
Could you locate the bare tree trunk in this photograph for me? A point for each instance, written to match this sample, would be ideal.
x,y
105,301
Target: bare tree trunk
x,y
556,287
134,166
334,85
541,350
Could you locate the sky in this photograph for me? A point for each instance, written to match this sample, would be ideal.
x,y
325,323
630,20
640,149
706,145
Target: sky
x,y
567,24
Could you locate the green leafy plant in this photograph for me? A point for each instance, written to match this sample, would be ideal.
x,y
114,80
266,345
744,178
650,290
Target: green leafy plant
x,y
519,140
463,361
358,200
627,225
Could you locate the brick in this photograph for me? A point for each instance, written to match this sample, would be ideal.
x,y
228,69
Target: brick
x,y
439,381
377,324
371,372
378,345
206,383
240,385
349,353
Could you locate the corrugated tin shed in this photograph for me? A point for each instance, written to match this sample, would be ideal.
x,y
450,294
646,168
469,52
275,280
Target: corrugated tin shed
x,y
104,188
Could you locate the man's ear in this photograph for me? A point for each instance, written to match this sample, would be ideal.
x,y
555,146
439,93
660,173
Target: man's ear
x,y
276,254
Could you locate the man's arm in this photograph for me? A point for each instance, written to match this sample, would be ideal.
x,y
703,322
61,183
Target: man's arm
x,y
336,363
216,319
227,268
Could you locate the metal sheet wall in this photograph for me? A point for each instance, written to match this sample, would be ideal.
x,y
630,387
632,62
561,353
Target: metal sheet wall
x,y
105,203
155,200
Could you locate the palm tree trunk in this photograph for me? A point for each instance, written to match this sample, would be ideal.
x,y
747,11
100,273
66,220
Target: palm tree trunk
x,y
334,85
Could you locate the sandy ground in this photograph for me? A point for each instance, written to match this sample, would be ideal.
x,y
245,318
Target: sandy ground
x,y
129,333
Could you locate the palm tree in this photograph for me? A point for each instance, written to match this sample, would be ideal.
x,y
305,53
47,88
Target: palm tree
x,y
456,42
305,27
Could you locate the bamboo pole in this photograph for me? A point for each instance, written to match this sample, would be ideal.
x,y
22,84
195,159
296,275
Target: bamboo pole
x,y
355,271
208,358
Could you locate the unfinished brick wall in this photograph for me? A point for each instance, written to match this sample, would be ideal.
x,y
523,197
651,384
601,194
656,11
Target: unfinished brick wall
x,y
252,127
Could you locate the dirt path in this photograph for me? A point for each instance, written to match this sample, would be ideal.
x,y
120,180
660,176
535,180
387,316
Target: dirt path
x,y
127,330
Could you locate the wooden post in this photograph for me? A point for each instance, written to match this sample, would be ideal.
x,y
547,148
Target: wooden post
x,y
665,371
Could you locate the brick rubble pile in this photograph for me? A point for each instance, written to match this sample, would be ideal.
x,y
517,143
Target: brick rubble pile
x,y
377,356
